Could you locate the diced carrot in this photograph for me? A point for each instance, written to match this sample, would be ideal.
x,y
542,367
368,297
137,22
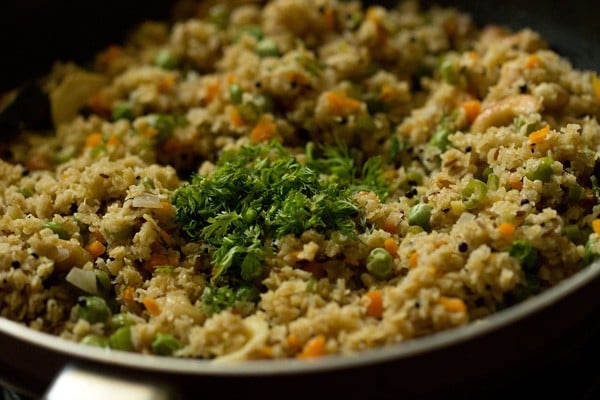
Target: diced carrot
x,y
413,260
151,306
264,130
472,108
93,139
154,260
341,104
236,119
390,227
596,226
292,341
96,248
166,84
539,135
212,90
230,78
112,141
149,131
37,162
391,246
506,229
99,103
473,55
516,184
386,92
266,351
375,307
596,86
439,244
166,209
315,347
128,293
533,61
375,15
453,304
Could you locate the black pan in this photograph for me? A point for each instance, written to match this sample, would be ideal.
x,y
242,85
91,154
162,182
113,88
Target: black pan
x,y
532,349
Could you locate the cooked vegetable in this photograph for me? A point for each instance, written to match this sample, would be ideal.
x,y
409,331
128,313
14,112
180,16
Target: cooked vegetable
x,y
380,263
95,340
419,215
267,48
544,170
93,309
527,255
57,228
165,344
121,339
166,59
474,193
235,93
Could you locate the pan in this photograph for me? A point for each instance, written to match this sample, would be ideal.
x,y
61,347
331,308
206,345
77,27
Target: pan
x,y
524,346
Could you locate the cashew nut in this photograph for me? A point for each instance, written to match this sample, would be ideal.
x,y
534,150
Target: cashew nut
x,y
503,111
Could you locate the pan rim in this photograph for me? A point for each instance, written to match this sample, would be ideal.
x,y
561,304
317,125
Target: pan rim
x,y
413,347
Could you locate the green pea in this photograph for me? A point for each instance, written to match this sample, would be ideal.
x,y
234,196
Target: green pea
x,y
527,255
166,59
440,138
252,30
590,252
448,71
165,344
123,110
235,93
26,192
543,171
93,309
164,124
219,16
121,339
419,215
95,340
380,263
63,156
573,233
575,193
247,293
57,228
474,193
120,320
267,48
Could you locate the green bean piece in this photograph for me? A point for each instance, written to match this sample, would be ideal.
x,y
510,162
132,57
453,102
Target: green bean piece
x,y
123,110
121,339
440,138
93,309
165,344
166,59
103,282
235,93
57,228
419,215
474,193
380,263
527,255
267,48
493,182
94,340
543,171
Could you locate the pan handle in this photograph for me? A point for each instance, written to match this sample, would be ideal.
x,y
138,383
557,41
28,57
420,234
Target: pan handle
x,y
76,382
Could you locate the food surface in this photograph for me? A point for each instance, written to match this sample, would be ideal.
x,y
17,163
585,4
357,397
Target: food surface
x,y
298,179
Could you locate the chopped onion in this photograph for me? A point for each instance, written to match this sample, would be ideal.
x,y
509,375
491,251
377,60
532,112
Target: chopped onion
x,y
147,200
465,217
83,279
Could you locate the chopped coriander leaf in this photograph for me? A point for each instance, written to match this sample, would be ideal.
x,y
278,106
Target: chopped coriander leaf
x,y
527,255
260,193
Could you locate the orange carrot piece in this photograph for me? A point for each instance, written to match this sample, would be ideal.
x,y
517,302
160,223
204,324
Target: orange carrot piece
x,y
93,139
472,108
99,103
596,226
341,104
391,246
452,304
533,61
538,136
166,84
112,141
212,90
596,86
128,293
413,260
236,119
516,184
292,341
151,306
375,307
315,347
264,130
506,229
96,248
